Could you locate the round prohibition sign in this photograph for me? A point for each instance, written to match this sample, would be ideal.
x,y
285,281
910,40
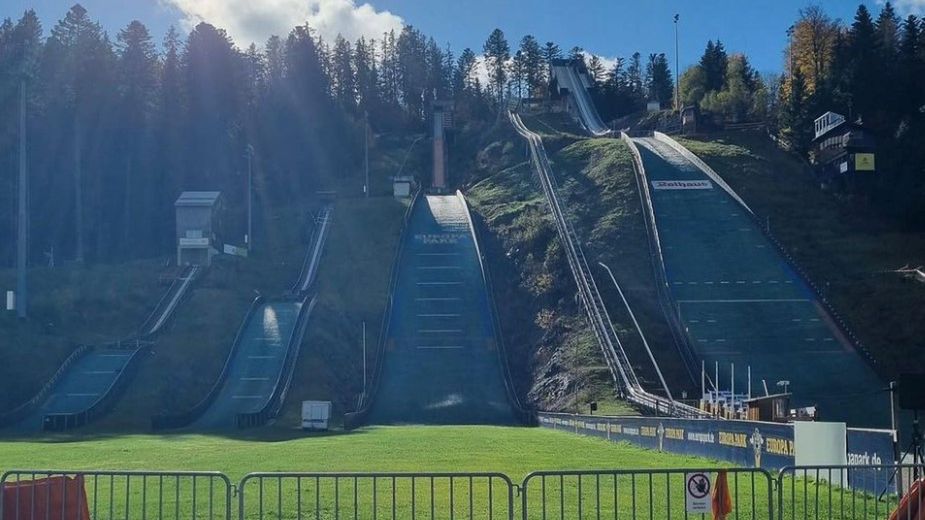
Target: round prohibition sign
x,y
698,485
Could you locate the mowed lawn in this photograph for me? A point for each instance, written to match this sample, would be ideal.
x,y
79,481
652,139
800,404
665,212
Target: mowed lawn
x,y
510,450
515,452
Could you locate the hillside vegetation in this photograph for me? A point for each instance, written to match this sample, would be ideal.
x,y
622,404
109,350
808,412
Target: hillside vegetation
x,y
188,357
849,250
70,305
352,288
541,317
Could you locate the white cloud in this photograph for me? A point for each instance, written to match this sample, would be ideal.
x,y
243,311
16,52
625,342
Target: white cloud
x,y
608,63
254,21
907,7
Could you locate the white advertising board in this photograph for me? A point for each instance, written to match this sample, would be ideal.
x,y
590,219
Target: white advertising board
x,y
821,444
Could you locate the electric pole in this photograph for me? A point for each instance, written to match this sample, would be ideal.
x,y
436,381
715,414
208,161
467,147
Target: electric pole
x,y
677,74
22,300
249,239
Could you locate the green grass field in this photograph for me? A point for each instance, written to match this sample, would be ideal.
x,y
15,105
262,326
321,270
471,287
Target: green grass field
x,y
511,450
514,452
656,489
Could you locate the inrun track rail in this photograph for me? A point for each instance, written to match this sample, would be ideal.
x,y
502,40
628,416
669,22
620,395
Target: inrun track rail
x,y
617,361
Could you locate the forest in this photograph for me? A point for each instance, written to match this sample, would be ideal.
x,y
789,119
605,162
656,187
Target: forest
x,y
118,125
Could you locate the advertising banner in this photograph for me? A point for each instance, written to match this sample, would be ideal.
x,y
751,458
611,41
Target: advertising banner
x,y
871,448
750,444
682,185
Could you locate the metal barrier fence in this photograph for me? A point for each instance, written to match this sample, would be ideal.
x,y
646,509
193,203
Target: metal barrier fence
x,y
849,492
808,492
638,494
112,495
376,495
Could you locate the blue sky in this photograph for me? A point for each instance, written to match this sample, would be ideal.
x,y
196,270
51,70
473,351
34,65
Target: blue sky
x,y
605,27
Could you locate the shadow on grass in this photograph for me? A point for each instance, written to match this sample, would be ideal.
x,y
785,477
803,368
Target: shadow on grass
x,y
265,434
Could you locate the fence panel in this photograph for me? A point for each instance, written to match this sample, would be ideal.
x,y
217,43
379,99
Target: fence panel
x,y
848,492
638,494
114,495
386,496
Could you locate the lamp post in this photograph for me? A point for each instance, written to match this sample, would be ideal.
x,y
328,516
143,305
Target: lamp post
x,y
677,60
22,256
364,360
249,239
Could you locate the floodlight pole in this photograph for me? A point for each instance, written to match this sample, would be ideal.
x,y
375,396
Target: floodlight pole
x,y
22,257
892,406
677,60
249,240
364,359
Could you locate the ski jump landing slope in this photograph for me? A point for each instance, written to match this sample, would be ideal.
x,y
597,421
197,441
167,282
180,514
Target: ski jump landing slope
x,y
576,83
90,380
257,366
79,387
441,360
740,302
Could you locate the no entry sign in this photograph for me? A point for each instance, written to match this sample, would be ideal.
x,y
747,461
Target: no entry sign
x,y
697,489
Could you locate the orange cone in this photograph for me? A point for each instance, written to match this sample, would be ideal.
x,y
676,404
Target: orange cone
x,y
722,500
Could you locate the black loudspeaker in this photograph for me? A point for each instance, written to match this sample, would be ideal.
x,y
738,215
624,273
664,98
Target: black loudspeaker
x,y
912,391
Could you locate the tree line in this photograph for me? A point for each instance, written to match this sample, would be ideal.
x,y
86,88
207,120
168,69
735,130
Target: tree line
x,y
119,126
871,70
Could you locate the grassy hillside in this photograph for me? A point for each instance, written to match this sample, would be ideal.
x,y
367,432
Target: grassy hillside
x,y
352,288
70,305
847,249
541,318
188,357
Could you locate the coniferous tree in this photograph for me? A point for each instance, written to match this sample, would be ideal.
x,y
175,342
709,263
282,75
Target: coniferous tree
x,y
551,52
659,84
864,50
345,90
78,82
137,82
596,70
634,78
713,62
497,53
534,71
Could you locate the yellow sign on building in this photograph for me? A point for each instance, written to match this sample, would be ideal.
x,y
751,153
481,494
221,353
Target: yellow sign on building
x,y
864,162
